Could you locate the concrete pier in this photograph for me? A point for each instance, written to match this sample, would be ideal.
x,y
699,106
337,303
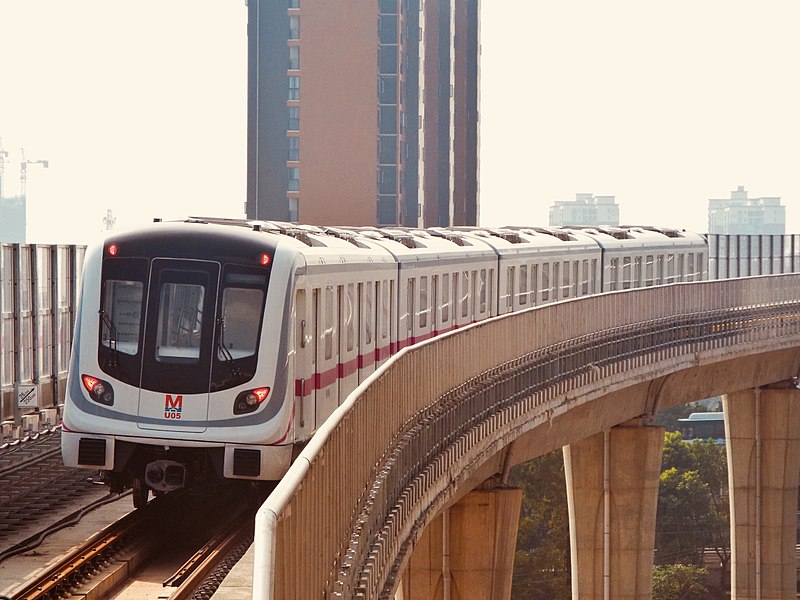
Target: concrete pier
x,y
468,551
612,491
762,427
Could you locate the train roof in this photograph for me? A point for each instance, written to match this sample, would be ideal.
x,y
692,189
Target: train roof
x,y
405,244
628,236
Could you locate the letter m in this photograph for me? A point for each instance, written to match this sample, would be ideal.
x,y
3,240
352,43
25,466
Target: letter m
x,y
176,404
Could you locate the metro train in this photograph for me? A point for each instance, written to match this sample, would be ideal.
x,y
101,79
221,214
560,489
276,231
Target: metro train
x,y
212,349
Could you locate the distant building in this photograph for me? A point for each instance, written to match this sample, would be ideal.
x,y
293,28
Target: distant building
x,y
363,113
743,215
586,209
12,220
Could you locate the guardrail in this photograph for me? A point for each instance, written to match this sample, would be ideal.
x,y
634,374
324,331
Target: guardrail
x,y
385,463
38,295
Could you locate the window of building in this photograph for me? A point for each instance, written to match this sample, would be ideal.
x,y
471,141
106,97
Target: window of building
x,y
294,27
294,148
294,179
294,118
294,57
294,3
294,88
294,209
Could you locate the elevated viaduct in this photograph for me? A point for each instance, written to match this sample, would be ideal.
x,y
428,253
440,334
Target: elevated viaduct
x,y
403,493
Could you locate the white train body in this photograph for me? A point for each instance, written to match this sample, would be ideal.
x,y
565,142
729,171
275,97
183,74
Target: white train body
x,y
213,349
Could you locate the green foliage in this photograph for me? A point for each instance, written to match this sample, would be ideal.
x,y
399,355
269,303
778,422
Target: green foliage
x,y
679,582
541,563
693,509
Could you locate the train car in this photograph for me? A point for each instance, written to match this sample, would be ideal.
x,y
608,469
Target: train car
x,y
213,349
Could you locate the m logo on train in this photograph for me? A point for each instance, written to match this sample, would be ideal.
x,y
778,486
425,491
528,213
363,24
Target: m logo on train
x,y
173,407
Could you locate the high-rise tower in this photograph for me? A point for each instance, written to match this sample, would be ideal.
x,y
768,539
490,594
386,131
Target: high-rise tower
x,y
363,112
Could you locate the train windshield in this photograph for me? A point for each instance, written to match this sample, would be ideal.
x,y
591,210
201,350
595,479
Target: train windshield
x,y
241,308
181,326
122,312
180,322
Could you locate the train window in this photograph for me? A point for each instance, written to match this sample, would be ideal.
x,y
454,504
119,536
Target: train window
x,y
523,284
327,332
180,322
690,270
565,280
482,293
593,275
699,266
435,300
423,301
510,288
670,268
637,271
648,270
241,311
465,294
535,283
490,289
382,295
545,282
410,294
349,317
585,277
659,269
626,272
123,307
556,281
614,274
474,295
445,298
575,267
369,313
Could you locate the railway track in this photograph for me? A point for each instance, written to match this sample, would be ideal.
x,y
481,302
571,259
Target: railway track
x,y
35,486
178,527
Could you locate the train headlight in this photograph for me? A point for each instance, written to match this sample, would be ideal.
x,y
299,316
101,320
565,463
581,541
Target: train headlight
x,y
99,390
249,400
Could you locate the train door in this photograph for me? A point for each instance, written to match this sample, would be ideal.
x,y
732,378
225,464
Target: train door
x,y
178,345
305,364
327,376
348,346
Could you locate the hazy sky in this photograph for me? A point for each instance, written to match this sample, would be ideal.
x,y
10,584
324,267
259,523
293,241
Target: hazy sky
x,y
141,108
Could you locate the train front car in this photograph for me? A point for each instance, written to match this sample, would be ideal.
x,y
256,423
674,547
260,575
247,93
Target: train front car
x,y
175,375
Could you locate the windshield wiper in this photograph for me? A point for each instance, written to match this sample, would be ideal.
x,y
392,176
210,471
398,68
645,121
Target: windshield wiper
x,y
224,353
112,339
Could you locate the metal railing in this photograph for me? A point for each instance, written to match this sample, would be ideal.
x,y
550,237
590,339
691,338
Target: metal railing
x,y
38,295
341,522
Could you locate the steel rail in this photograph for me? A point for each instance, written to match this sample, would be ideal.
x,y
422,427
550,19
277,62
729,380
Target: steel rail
x,y
62,574
200,566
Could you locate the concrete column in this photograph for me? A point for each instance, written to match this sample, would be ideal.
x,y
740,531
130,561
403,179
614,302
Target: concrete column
x,y
612,492
467,553
762,428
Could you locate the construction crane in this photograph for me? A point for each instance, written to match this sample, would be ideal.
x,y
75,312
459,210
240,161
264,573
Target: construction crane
x,y
3,154
23,171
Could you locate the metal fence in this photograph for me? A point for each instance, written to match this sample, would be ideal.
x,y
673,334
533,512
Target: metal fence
x,y
747,255
38,296
342,520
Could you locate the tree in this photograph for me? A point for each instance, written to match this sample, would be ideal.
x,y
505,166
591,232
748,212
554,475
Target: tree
x,y
679,582
541,563
693,509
